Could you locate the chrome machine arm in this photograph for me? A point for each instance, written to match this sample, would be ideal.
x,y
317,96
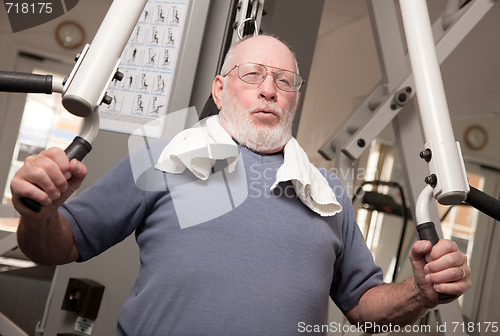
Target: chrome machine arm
x,y
85,88
448,177
388,102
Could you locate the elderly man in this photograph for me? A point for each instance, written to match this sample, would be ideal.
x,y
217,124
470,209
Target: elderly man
x,y
263,265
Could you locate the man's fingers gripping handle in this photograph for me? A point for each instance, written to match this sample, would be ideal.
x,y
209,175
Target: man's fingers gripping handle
x,y
427,231
78,149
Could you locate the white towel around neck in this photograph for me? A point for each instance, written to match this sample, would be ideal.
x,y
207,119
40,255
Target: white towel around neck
x,y
198,148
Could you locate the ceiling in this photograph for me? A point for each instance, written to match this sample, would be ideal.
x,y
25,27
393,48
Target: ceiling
x,y
338,13
470,74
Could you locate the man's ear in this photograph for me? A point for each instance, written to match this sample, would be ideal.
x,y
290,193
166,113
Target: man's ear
x,y
217,87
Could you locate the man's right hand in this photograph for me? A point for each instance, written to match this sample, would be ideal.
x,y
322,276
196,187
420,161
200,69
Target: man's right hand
x,y
47,178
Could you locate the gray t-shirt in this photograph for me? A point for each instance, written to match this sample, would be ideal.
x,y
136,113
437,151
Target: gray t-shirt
x,y
223,256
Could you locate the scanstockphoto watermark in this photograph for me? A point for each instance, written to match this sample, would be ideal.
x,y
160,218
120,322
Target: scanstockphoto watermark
x,y
375,328
25,14
260,182
229,188
350,178
372,327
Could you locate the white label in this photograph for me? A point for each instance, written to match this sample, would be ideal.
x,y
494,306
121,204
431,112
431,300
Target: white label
x,y
84,325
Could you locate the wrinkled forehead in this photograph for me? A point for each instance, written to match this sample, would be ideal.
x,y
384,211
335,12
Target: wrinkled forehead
x,y
265,50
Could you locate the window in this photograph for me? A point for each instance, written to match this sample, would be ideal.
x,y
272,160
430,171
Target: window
x,y
459,222
379,168
469,228
473,232
45,123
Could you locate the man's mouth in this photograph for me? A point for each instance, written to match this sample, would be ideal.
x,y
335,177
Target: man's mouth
x,y
266,112
265,117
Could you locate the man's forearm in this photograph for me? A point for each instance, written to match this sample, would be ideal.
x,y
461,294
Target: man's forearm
x,y
394,303
48,243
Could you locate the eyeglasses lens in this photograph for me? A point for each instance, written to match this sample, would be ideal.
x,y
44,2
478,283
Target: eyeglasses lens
x,y
285,80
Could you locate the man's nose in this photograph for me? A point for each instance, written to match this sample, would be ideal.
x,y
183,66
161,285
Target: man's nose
x,y
268,89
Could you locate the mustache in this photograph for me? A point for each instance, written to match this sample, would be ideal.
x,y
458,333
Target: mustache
x,y
268,107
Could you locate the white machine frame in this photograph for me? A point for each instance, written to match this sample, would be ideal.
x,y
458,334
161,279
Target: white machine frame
x,y
391,100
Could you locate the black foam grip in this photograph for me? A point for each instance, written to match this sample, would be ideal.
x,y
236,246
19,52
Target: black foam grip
x,y
78,149
484,203
25,82
30,204
427,231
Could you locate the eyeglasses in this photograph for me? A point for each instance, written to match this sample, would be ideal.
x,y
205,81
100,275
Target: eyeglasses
x,y
255,73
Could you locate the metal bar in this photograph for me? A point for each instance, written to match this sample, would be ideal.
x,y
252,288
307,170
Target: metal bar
x,y
9,328
249,12
85,90
363,116
407,128
390,47
451,185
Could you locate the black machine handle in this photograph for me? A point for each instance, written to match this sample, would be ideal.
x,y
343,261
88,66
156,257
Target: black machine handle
x,y
484,203
427,231
25,82
78,149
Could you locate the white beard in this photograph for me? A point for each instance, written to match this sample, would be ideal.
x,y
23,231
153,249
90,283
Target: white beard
x,y
260,138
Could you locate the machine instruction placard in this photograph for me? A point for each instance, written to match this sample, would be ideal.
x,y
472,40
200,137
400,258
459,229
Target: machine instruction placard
x,y
148,64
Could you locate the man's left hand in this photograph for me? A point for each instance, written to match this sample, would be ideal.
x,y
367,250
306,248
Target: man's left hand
x,y
441,268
